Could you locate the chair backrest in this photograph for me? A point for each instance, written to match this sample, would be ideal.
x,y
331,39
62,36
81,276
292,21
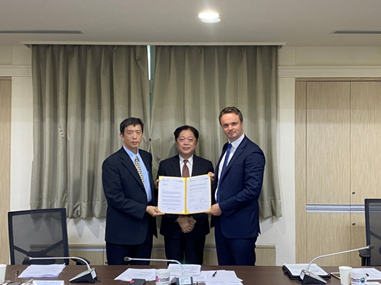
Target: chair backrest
x,y
373,230
38,233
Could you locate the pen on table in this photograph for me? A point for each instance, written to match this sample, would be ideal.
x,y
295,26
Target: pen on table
x,y
214,274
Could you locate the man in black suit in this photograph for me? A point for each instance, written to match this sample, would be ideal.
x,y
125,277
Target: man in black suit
x,y
128,187
184,235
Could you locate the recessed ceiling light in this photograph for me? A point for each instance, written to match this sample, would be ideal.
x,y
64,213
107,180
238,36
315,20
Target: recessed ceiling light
x,y
209,17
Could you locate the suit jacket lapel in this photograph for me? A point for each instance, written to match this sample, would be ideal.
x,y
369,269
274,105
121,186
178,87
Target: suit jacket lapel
x,y
236,154
196,166
175,165
127,162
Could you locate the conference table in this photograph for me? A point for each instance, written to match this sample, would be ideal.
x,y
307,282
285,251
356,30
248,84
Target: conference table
x,y
251,275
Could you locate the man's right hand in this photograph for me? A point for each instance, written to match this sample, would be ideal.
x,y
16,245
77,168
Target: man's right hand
x,y
154,211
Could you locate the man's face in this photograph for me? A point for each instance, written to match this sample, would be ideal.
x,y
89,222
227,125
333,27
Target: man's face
x,y
186,143
132,137
232,126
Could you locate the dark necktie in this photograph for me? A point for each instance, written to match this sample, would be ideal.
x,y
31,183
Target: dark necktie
x,y
226,160
223,170
185,169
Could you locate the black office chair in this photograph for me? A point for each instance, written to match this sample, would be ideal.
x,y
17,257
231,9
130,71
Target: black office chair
x,y
38,233
372,257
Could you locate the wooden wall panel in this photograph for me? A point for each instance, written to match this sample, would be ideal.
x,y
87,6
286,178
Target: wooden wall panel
x,y
266,254
366,142
300,170
96,257
357,236
328,233
342,165
328,142
5,158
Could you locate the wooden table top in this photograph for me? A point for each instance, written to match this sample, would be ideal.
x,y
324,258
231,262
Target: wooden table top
x,y
251,275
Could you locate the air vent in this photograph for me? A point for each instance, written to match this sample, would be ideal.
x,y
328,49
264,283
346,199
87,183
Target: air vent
x,y
354,32
63,32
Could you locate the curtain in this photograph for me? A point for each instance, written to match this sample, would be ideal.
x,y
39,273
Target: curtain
x,y
193,84
80,96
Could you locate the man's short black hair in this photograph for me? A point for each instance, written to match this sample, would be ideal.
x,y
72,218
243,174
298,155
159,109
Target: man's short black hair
x,y
183,128
130,121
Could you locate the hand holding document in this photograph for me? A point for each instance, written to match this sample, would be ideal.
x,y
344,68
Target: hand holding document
x,y
184,195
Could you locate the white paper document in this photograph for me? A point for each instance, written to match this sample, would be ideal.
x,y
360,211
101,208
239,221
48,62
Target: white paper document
x,y
131,273
48,282
189,269
184,195
296,269
373,273
223,277
39,271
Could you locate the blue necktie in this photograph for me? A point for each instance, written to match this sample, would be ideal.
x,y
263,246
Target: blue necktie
x,y
223,170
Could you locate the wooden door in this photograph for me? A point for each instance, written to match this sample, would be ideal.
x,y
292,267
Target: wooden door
x,y
5,158
338,165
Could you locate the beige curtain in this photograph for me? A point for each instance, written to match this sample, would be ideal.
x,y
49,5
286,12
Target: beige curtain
x,y
80,95
193,84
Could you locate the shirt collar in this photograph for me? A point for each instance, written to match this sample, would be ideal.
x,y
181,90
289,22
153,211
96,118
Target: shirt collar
x,y
190,160
131,154
238,141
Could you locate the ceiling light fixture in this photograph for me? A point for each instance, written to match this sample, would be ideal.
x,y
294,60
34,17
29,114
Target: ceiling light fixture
x,y
209,17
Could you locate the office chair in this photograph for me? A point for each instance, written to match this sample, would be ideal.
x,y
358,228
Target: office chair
x,y
372,257
38,233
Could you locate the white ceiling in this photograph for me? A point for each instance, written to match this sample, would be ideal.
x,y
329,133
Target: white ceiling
x,y
292,22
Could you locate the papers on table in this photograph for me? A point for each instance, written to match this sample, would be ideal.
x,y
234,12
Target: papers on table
x,y
184,195
39,271
48,282
131,273
373,274
224,277
221,277
189,269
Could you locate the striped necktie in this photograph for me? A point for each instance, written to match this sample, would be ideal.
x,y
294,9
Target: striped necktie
x,y
137,166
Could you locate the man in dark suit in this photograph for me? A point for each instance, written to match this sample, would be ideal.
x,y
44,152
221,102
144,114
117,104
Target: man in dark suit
x,y
184,235
238,184
128,187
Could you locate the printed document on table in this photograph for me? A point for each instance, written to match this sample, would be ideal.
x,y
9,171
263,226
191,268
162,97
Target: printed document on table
x,y
36,271
224,277
48,282
373,274
184,195
189,269
131,273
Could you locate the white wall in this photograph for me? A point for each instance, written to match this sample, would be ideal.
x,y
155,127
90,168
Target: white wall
x,y
293,62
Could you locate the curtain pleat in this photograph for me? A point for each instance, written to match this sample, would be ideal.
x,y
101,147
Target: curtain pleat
x,y
193,84
80,96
